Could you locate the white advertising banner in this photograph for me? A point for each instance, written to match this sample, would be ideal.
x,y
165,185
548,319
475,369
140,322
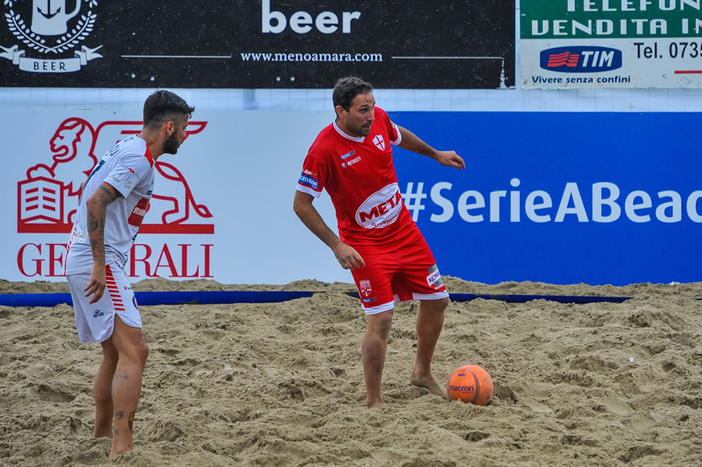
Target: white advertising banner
x,y
568,44
221,210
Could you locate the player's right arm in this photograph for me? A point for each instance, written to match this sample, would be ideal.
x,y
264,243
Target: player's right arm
x,y
413,143
96,207
347,256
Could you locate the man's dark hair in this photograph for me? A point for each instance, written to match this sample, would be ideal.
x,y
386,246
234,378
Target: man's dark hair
x,y
346,89
163,106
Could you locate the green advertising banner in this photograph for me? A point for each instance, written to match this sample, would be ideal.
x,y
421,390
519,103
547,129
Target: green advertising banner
x,y
575,44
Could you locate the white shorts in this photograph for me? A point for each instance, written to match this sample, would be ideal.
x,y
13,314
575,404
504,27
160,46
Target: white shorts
x,y
96,322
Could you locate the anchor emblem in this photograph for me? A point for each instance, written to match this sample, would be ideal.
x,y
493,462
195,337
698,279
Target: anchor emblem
x,y
48,7
46,22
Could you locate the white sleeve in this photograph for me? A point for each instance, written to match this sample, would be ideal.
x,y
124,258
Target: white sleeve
x,y
128,172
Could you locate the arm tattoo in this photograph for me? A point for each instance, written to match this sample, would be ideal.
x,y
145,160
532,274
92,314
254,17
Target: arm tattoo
x,y
92,222
96,220
109,193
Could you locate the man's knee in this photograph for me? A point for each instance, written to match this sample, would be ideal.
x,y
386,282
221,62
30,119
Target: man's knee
x,y
109,352
130,343
142,352
436,305
380,324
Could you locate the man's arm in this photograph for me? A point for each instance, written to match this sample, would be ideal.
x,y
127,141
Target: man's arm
x,y
96,207
347,256
411,142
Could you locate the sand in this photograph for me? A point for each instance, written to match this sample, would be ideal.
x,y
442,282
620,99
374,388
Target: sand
x,y
282,384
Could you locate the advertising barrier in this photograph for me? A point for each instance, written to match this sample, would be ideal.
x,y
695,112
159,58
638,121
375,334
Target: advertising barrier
x,y
611,44
257,44
600,198
221,210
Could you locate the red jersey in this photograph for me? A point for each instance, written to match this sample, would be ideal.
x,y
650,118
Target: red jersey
x,y
359,175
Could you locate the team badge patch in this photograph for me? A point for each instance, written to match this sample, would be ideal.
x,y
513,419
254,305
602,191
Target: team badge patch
x,y
365,287
379,142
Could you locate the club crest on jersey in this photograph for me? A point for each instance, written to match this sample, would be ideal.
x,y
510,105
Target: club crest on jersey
x,y
379,142
365,287
50,28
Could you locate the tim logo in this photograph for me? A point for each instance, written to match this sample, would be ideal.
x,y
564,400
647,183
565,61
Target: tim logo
x,y
583,59
47,199
50,28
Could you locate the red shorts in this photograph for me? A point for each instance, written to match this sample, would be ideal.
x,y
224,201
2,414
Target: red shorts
x,y
398,275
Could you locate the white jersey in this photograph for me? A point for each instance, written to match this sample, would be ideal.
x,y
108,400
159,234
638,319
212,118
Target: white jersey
x,y
129,168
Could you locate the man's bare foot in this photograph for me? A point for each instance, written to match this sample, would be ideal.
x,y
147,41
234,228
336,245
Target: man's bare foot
x,y
374,404
116,453
430,383
120,445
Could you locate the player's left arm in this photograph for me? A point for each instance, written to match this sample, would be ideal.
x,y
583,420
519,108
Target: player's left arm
x,y
96,207
413,143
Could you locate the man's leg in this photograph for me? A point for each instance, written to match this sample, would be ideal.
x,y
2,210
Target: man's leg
x,y
430,321
375,344
126,384
102,390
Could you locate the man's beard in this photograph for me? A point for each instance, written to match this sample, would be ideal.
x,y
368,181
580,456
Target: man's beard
x,y
171,145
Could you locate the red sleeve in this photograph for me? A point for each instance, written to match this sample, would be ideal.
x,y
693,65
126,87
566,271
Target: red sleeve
x,y
314,172
393,131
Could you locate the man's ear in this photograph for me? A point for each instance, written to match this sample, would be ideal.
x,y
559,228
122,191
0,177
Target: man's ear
x,y
170,127
339,109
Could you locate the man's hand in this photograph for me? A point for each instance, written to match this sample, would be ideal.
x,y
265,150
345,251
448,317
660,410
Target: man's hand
x,y
450,159
96,286
348,257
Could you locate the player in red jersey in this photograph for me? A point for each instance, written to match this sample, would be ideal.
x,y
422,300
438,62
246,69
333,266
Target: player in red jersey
x,y
113,202
378,240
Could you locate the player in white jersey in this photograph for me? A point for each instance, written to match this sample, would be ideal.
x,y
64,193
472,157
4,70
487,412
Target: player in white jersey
x,y
378,241
113,202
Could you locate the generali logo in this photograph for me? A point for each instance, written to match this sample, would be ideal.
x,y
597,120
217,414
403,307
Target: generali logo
x,y
47,202
49,33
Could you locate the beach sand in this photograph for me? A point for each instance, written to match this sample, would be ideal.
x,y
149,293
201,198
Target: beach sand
x,y
282,383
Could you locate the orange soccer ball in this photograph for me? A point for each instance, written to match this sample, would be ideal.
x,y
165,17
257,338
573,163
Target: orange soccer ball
x,y
470,384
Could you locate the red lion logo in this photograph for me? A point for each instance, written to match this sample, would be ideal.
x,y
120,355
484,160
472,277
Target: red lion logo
x,y
48,198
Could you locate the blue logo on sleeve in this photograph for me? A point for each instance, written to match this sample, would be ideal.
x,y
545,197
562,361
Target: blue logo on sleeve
x,y
306,180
